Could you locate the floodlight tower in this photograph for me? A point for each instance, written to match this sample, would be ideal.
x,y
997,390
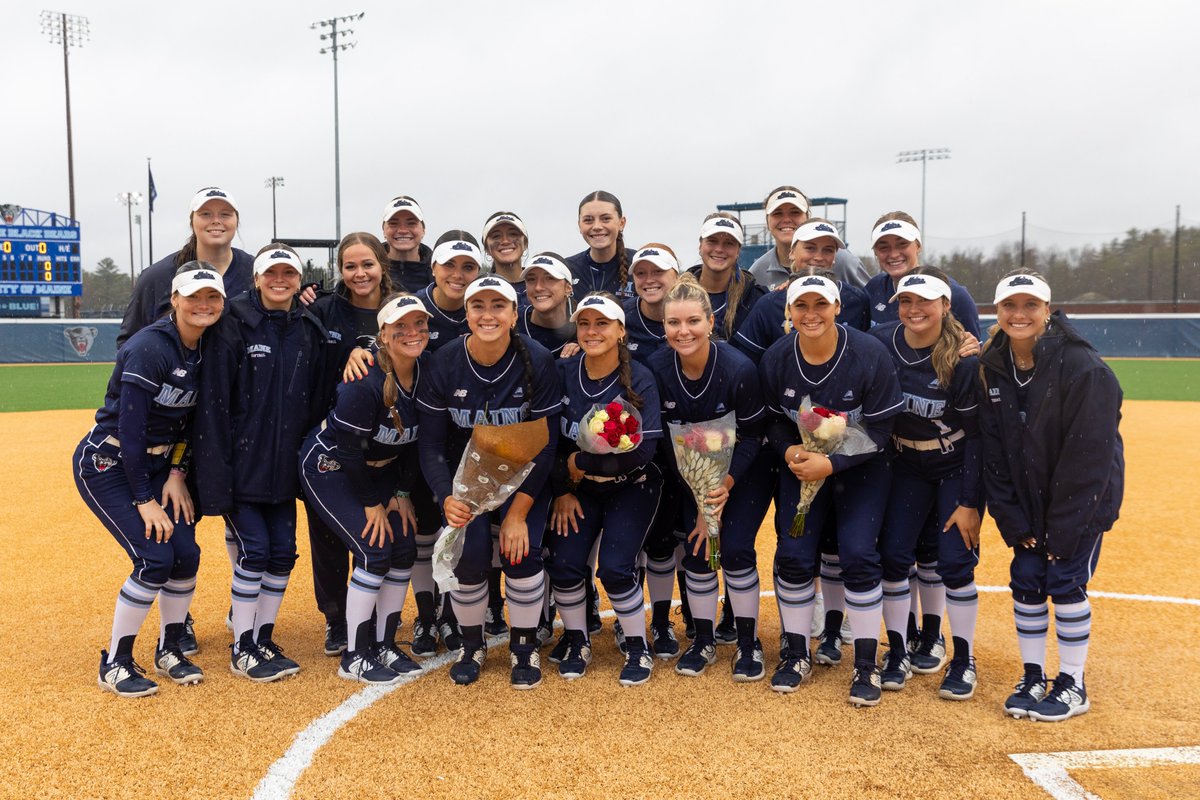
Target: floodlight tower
x,y
333,36
129,200
273,183
924,156
70,30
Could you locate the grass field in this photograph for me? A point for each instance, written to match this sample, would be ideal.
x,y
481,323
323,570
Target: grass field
x,y
49,387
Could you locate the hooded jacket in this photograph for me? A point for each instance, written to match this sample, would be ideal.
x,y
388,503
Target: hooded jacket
x,y
1057,470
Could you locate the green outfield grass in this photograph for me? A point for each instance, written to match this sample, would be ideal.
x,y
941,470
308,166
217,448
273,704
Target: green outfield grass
x,y
47,387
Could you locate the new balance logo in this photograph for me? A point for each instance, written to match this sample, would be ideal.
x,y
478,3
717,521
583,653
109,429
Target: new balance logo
x,y
880,306
720,408
460,392
669,404
789,392
179,372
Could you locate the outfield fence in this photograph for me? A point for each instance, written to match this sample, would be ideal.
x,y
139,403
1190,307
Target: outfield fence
x,y
33,341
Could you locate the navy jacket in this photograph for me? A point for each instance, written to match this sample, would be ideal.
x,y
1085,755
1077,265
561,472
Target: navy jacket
x,y
349,327
589,276
151,298
1054,470
412,276
260,394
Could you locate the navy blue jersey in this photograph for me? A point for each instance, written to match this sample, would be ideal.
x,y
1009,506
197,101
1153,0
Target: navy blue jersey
x,y
361,429
457,394
765,324
643,336
444,326
859,380
751,294
881,288
581,394
261,393
588,276
518,287
931,412
348,327
150,397
553,339
729,383
412,276
151,298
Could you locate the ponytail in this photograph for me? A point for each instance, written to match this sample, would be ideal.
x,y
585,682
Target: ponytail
x,y
187,252
945,350
733,297
526,365
688,288
625,376
391,385
622,262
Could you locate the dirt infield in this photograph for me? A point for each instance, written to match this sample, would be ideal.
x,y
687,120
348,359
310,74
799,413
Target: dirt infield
x,y
62,736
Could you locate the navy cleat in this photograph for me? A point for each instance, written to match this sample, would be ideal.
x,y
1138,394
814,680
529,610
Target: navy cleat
x,y
361,665
123,677
424,642
748,662
493,621
896,669
1028,692
726,630
450,635
1065,699
396,659
335,637
696,658
959,680
274,653
525,659
865,688
579,654
829,651
664,643
246,660
466,669
172,663
619,636
930,656
187,640
638,663
559,651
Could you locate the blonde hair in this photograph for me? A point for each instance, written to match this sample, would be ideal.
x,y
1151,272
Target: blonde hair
x,y
945,355
737,282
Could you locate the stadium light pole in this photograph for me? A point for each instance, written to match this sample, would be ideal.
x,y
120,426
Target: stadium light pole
x,y
71,30
272,184
129,200
924,156
137,220
333,37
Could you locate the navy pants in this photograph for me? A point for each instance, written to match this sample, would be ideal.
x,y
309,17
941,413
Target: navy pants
x,y
924,493
740,519
624,511
338,506
1033,576
476,558
854,501
100,478
265,534
330,564
662,538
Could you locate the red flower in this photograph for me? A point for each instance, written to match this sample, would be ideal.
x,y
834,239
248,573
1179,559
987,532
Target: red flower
x,y
614,409
824,412
635,437
610,426
613,438
631,424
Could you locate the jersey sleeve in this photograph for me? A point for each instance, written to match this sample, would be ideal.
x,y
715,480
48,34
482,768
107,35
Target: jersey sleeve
x,y
751,416
136,400
434,419
353,421
882,398
964,395
760,330
781,432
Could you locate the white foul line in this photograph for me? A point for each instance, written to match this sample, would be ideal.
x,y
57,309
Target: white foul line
x,y
1049,770
282,775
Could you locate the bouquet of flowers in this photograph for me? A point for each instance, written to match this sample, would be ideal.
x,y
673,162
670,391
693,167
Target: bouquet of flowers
x,y
613,428
824,431
703,452
497,460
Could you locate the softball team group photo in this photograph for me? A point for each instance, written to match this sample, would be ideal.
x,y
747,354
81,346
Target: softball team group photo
x,y
656,413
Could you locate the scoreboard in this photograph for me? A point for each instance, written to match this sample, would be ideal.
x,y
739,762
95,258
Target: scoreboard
x,y
39,256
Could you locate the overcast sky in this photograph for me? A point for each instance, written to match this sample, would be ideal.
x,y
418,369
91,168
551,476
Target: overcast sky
x,y
1082,114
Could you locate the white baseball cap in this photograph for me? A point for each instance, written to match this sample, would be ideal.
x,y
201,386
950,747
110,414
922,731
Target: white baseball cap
x,y
1022,284
504,217
895,227
199,276
785,197
490,283
656,256
554,268
402,203
813,284
454,248
927,286
399,307
717,225
816,229
265,261
603,305
209,193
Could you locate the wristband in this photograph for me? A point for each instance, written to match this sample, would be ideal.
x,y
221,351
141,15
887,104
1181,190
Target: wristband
x,y
400,494
143,502
179,471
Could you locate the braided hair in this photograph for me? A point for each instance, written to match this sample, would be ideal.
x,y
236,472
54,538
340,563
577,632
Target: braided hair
x,y
526,364
391,384
625,368
622,255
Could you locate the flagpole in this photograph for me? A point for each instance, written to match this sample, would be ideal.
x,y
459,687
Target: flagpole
x,y
150,194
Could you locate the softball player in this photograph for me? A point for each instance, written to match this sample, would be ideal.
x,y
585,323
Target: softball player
x,y
815,245
546,317
787,209
261,393
935,469
654,269
457,261
505,242
1054,476
127,475
492,376
408,257
617,493
699,380
843,370
604,265
731,292
349,314
213,218
359,471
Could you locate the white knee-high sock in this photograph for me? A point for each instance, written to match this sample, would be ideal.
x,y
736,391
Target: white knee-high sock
x,y
833,591
702,594
360,601
1032,625
390,600
660,579
742,587
246,590
570,601
630,609
524,599
962,609
133,605
865,610
231,548
422,569
796,602
470,603
174,599
270,598
1073,627
933,592
896,604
